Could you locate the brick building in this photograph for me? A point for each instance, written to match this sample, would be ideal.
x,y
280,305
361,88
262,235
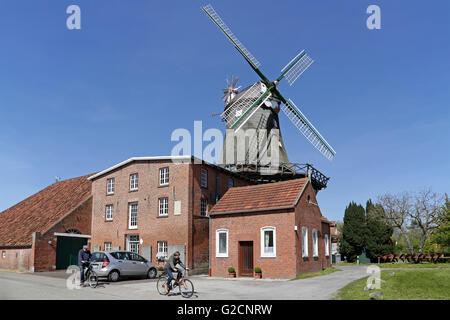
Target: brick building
x,y
45,231
156,205
276,226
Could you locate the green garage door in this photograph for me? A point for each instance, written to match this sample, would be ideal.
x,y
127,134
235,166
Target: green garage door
x,y
67,251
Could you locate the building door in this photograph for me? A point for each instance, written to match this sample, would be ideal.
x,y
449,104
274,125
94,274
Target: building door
x,y
67,251
246,258
133,243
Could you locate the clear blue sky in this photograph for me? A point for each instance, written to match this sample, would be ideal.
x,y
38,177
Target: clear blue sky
x,y
76,102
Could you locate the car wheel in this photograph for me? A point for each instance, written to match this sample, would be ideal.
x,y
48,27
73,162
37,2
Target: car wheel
x,y
114,276
151,274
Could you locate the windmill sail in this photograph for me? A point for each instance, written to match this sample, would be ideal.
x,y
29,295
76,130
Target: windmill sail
x,y
296,67
212,14
307,129
237,114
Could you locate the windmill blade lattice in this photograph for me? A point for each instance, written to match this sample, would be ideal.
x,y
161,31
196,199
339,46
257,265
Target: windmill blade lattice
x,y
245,106
209,10
299,120
296,67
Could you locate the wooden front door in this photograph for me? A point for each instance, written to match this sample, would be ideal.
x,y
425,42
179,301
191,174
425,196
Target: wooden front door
x,y
246,258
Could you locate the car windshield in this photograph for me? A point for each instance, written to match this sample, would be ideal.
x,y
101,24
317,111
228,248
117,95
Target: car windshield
x,y
98,257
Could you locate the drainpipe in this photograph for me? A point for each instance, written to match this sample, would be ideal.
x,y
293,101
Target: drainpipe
x,y
209,255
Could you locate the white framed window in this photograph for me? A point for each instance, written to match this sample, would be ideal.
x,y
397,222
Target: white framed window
x,y
268,242
230,183
204,178
222,243
315,243
133,243
203,207
132,216
108,246
109,212
3,254
110,186
162,248
134,181
327,245
163,206
164,176
304,242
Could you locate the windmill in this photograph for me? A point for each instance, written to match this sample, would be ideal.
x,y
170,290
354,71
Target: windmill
x,y
258,105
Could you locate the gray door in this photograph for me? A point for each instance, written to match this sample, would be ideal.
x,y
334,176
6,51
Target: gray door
x,y
137,264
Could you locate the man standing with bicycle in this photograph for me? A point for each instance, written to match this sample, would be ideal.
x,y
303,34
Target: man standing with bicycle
x,y
170,267
84,255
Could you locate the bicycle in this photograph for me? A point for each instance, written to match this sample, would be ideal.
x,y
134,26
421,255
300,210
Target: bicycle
x,y
91,276
185,286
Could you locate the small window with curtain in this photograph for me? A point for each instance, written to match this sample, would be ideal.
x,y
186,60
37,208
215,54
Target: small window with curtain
x,y
222,243
110,186
315,243
304,242
268,242
327,245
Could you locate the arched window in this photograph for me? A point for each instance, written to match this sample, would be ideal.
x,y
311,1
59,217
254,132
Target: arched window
x,y
268,242
315,243
304,242
222,243
74,231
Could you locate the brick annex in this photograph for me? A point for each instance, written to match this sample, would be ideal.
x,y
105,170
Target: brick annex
x,y
157,205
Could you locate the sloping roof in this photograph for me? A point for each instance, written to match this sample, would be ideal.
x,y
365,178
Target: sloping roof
x,y
42,210
261,197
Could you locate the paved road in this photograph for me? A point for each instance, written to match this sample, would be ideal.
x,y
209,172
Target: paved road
x,y
52,285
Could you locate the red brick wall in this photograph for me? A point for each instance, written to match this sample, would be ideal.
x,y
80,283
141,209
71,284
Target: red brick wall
x,y
247,227
16,259
288,262
44,253
309,215
183,229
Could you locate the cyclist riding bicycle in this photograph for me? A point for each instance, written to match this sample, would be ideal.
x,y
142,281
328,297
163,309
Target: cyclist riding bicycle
x,y
170,267
84,255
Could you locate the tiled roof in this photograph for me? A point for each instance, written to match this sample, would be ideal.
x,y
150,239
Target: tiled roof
x,y
260,197
42,210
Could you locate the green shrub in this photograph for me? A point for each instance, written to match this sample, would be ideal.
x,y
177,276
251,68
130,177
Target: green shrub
x,y
258,269
231,270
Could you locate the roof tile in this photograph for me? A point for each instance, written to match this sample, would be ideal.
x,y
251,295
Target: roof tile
x,y
42,210
260,197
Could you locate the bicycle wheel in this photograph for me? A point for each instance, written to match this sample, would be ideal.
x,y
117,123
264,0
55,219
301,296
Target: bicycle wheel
x,y
93,280
186,288
161,283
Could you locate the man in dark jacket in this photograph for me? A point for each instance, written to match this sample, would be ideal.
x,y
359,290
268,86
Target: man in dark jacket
x,y
170,267
84,255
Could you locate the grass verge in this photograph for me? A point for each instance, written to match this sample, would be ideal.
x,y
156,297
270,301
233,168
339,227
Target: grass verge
x,y
316,273
413,284
408,265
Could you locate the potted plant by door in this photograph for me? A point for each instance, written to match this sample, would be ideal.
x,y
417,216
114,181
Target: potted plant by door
x,y
231,272
258,273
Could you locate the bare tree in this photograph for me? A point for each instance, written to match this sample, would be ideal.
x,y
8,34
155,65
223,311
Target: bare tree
x,y
396,210
427,213
422,210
